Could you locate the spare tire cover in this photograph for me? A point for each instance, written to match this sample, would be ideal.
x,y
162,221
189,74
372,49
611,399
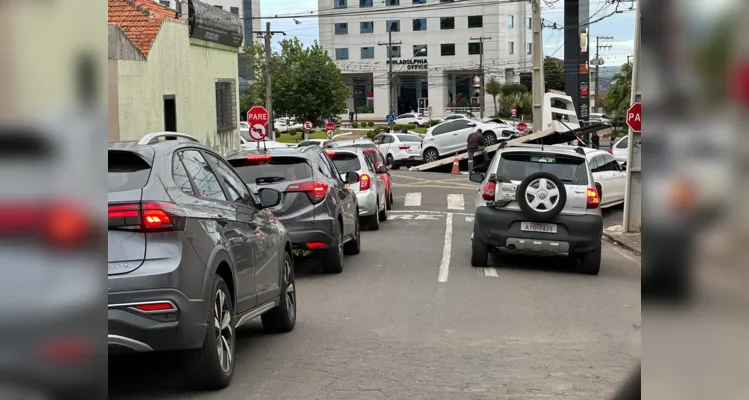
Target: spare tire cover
x,y
541,196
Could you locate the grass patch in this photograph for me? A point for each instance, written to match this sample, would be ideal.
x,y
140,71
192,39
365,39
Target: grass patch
x,y
299,137
419,130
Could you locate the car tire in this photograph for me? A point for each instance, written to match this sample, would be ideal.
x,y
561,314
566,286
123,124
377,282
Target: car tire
x,y
390,161
431,155
353,247
590,263
479,252
525,207
389,201
490,138
332,258
383,215
205,367
392,200
282,318
372,222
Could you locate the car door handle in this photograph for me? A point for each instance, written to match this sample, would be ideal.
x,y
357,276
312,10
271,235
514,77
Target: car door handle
x,y
223,221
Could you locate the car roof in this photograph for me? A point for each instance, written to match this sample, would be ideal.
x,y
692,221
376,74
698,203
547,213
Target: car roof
x,y
277,151
352,142
554,149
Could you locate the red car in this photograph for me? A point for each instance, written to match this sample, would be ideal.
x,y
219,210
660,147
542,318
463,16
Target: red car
x,y
378,160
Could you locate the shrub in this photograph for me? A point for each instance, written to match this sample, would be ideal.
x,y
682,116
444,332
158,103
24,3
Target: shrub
x,y
278,133
411,126
434,122
354,124
397,127
365,110
370,123
371,134
377,130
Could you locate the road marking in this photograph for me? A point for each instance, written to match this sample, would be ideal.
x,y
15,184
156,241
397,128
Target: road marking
x,y
418,217
488,271
413,199
469,219
455,202
427,216
427,212
445,264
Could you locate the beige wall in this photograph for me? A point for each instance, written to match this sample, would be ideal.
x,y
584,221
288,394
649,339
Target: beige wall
x,y
113,123
187,71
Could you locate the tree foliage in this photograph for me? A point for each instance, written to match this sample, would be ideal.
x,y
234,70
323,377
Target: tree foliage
x,y
553,74
493,88
618,98
511,95
305,82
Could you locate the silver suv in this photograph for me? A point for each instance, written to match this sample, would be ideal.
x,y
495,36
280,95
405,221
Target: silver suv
x,y
538,200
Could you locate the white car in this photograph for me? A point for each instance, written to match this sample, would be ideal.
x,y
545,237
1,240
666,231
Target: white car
x,y
447,138
314,142
266,144
619,150
400,148
609,173
600,118
455,116
411,118
285,124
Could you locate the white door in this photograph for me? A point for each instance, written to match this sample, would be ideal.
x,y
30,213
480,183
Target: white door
x,y
617,178
459,138
442,138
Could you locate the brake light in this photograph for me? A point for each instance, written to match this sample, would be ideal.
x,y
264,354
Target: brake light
x,y
593,199
315,191
145,217
330,153
404,147
316,245
60,225
67,225
489,190
364,182
260,157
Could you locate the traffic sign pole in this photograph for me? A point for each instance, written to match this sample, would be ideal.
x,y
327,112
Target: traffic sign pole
x,y
633,189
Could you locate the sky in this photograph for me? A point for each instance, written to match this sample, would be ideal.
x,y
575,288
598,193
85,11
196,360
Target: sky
x,y
620,26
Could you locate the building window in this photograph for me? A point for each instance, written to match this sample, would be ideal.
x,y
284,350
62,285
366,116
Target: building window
x,y
395,51
226,104
511,21
219,7
234,10
393,26
341,54
393,2
529,48
366,27
165,3
475,21
447,23
530,23
341,28
420,24
367,52
365,3
447,49
339,3
419,1
511,48
474,48
420,50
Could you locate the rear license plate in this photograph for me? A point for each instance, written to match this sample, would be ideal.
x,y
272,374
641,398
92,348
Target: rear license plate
x,y
537,227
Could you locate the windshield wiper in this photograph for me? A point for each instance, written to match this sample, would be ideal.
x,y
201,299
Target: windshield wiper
x,y
269,179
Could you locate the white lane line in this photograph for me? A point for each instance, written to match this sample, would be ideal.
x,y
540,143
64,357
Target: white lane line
x,y
469,218
427,212
413,199
455,202
445,263
489,271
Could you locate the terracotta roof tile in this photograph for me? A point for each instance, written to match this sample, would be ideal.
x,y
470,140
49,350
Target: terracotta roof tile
x,y
140,20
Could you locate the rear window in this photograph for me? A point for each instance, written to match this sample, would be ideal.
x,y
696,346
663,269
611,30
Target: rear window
x,y
275,169
360,145
517,166
127,171
409,138
346,162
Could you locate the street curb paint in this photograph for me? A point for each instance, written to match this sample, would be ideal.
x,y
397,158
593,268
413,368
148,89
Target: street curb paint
x,y
612,238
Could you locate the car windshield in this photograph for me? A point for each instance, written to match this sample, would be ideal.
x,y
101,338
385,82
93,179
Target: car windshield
x,y
252,171
409,138
346,162
517,166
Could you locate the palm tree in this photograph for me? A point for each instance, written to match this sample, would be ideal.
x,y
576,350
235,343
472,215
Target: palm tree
x,y
493,88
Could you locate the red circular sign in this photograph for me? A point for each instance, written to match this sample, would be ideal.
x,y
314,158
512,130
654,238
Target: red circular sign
x,y
514,112
330,126
634,117
257,118
522,126
308,125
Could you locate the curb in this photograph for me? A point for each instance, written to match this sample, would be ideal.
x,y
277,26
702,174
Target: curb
x,y
613,239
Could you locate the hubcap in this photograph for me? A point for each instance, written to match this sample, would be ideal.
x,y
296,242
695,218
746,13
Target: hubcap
x,y
490,140
431,156
223,329
542,195
290,290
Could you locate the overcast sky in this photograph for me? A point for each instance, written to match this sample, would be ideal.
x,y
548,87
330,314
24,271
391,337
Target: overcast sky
x,y
620,26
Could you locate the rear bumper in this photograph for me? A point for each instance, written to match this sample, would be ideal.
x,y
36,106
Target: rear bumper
x,y
134,331
409,160
300,239
501,229
367,200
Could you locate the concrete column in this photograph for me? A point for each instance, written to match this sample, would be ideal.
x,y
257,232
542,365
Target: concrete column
x,y
381,96
437,87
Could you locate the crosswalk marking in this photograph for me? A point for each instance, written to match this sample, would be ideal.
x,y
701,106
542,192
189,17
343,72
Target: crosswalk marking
x,y
488,271
413,199
455,202
469,219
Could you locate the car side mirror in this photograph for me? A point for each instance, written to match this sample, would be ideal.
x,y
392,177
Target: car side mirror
x,y
351,177
382,169
599,189
477,177
624,166
269,197
471,124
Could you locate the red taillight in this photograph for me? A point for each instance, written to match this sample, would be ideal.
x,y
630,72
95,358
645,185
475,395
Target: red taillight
x,y
67,225
488,191
261,157
404,147
364,182
316,245
611,149
315,191
65,350
738,83
153,307
60,224
593,199
147,217
330,153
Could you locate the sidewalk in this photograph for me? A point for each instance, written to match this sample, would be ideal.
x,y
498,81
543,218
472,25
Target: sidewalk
x,y
629,241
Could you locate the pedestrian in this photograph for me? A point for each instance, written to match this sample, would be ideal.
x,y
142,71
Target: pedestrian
x,y
475,147
351,117
596,140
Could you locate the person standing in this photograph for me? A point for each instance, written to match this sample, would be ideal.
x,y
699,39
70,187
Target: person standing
x,y
475,146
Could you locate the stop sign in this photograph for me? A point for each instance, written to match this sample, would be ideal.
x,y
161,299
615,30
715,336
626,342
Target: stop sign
x,y
522,126
634,117
330,126
257,118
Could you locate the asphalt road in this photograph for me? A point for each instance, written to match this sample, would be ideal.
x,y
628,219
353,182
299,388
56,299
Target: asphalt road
x,y
409,318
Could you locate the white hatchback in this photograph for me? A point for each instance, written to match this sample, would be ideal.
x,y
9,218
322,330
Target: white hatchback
x,y
610,174
411,118
619,150
400,148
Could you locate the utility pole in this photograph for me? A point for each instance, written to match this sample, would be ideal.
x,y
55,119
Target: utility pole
x,y
633,190
598,66
391,77
481,71
267,35
538,67
628,57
